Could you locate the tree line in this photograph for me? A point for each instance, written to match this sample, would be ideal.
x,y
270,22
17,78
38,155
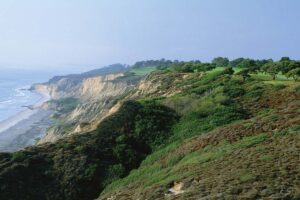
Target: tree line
x,y
285,66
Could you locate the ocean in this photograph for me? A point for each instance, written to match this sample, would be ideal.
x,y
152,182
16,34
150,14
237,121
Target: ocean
x,y
14,94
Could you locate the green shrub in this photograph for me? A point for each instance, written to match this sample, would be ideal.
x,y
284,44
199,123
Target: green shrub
x,y
255,91
205,107
279,86
234,92
18,156
114,172
247,177
153,123
126,152
65,105
225,115
252,140
220,98
265,158
90,170
79,148
181,104
64,145
195,123
297,89
200,90
291,130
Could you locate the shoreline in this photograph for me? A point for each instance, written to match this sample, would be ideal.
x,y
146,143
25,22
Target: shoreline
x,y
26,113
22,129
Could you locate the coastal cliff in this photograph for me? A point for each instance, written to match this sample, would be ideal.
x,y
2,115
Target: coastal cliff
x,y
172,133
95,95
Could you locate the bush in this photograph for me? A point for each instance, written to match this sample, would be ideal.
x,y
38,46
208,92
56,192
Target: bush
x,y
297,89
64,146
65,104
198,122
79,148
181,104
279,86
18,156
224,116
252,140
247,177
234,92
200,90
126,152
255,91
90,170
153,123
114,172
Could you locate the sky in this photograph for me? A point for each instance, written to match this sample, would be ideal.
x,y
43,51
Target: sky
x,y
84,34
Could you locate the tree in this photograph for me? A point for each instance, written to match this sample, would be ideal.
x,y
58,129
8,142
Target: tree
x,y
162,67
248,63
228,71
221,62
188,67
183,67
260,63
236,62
203,67
294,73
286,66
244,73
285,59
271,68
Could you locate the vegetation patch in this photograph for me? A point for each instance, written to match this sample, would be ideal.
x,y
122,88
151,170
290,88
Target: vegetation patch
x,y
247,177
143,70
154,173
65,105
18,156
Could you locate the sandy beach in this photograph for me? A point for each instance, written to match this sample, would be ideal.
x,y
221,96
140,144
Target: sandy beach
x,y
22,129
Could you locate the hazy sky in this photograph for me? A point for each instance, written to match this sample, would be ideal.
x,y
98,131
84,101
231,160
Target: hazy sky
x,y
92,33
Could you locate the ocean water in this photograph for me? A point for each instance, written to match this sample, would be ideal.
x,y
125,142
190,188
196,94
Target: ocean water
x,y
14,94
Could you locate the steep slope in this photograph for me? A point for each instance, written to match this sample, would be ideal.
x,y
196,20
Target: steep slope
x,y
177,134
79,167
252,158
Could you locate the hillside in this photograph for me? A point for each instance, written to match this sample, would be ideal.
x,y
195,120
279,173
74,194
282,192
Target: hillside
x,y
171,130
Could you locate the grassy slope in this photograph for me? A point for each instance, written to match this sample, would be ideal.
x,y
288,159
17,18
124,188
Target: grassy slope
x,y
233,139
143,71
239,160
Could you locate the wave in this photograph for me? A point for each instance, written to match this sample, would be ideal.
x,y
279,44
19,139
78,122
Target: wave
x,y
6,102
21,91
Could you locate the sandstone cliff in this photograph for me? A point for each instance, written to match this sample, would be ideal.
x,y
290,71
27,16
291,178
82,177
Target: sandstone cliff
x,y
96,95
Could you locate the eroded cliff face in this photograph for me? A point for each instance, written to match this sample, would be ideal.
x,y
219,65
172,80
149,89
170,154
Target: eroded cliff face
x,y
96,95
160,85
93,87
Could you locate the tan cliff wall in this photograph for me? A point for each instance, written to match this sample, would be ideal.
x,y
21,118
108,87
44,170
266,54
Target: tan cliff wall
x,y
97,96
83,89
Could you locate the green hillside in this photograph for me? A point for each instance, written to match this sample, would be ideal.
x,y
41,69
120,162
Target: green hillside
x,y
189,130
